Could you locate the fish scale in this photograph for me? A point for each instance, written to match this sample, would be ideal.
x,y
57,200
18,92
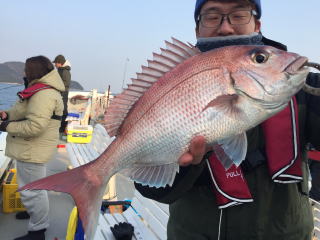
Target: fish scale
x,y
182,93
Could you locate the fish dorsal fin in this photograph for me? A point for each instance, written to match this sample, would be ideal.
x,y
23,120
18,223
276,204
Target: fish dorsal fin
x,y
174,54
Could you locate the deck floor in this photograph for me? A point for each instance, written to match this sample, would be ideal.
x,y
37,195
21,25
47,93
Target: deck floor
x,y
61,204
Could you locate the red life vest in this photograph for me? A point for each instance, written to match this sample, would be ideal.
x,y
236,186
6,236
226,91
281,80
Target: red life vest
x,y
314,155
283,158
28,92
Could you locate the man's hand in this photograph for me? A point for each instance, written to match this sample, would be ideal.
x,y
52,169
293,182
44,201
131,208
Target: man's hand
x,y
196,152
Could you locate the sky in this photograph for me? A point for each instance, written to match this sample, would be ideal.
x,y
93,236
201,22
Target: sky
x,y
107,41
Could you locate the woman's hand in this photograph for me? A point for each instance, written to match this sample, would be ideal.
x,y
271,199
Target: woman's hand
x,y
3,115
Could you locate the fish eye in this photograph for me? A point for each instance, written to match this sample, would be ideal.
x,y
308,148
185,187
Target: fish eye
x,y
260,57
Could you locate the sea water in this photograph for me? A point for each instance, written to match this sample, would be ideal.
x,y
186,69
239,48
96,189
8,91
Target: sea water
x,y
8,93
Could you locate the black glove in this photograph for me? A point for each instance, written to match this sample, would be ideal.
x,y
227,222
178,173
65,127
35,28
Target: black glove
x,y
122,231
3,126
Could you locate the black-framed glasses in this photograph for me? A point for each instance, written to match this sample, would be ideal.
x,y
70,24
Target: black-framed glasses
x,y
214,20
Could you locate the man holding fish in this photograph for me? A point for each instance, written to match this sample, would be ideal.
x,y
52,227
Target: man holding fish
x,y
271,205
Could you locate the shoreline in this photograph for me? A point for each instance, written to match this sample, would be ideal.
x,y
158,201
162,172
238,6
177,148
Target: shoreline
x,y
11,83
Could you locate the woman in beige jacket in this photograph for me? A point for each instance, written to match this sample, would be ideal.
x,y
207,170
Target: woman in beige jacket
x,y
33,133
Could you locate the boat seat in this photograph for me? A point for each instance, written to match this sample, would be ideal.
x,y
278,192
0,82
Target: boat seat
x,y
148,217
316,218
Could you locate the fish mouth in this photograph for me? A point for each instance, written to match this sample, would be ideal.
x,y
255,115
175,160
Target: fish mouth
x,y
297,67
300,64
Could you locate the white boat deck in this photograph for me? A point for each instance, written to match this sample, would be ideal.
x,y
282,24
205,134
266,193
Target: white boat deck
x,y
61,205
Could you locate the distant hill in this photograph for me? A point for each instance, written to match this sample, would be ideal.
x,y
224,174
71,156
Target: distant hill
x,y
12,72
74,85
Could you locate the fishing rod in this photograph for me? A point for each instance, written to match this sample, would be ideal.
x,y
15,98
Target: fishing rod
x,y
19,85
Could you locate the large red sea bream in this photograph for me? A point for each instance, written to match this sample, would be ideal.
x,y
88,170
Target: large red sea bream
x,y
183,93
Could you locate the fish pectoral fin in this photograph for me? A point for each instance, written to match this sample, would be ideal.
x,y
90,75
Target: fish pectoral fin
x,y
226,104
153,176
232,150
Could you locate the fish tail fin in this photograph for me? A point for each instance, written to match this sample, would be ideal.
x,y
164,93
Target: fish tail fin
x,y
86,188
